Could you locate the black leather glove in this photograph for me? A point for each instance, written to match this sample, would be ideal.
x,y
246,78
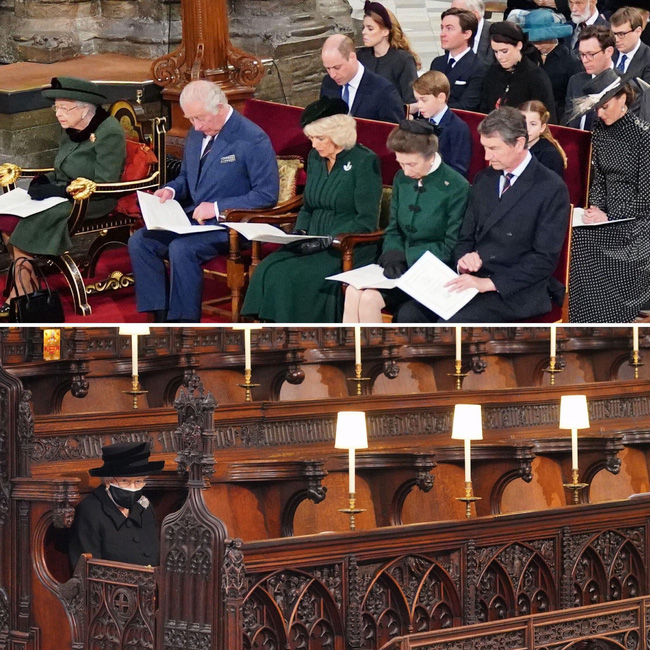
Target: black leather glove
x,y
393,263
310,246
40,188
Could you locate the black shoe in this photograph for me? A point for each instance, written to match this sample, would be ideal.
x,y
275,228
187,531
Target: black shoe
x,y
4,310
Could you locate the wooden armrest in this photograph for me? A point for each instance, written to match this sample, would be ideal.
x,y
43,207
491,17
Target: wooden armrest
x,y
346,241
82,188
279,210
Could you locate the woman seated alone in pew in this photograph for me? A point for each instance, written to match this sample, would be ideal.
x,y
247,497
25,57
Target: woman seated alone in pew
x,y
427,208
116,521
92,146
541,142
342,195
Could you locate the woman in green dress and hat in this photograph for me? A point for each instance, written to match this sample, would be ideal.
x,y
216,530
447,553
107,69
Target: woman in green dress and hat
x,y
342,195
92,146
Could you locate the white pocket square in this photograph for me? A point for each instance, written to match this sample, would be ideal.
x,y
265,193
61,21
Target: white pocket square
x,y
459,82
228,159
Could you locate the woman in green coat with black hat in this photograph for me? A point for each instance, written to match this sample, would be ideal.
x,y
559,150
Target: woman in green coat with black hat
x,y
342,195
92,146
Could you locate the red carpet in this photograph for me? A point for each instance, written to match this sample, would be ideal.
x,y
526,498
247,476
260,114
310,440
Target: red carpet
x,y
118,306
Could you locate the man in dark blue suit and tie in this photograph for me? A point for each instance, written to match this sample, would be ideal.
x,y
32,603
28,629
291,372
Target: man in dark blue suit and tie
x,y
464,69
596,48
367,94
431,92
584,13
512,233
228,162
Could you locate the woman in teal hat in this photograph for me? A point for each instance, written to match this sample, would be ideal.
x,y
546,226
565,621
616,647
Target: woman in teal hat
x,y
92,146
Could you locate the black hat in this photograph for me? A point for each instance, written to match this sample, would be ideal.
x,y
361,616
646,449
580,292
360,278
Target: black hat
x,y
324,107
127,459
510,32
380,10
420,127
74,89
599,91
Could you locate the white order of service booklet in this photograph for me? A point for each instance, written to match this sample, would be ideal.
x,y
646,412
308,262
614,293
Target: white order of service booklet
x,y
265,232
18,203
579,213
424,281
168,216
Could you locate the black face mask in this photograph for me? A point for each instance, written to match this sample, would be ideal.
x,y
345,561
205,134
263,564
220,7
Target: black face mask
x,y
125,498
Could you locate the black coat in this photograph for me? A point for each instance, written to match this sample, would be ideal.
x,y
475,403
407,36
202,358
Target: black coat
x,y
101,529
528,81
376,98
560,66
465,79
575,90
398,66
519,238
546,152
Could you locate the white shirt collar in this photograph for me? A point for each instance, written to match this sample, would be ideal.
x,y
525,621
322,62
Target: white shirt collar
x,y
630,54
519,170
438,116
437,161
477,36
356,80
207,137
592,19
458,57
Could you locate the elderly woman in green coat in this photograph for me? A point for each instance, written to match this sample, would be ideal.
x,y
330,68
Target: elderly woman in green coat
x,y
92,146
342,195
427,208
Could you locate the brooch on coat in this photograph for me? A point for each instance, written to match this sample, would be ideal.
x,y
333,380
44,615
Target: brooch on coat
x,y
144,502
347,167
92,137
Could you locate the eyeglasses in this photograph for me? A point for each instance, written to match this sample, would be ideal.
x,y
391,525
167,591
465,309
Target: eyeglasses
x,y
62,109
623,34
589,56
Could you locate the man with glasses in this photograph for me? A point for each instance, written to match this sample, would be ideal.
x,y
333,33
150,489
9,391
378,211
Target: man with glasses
x,y
228,162
632,57
596,49
583,14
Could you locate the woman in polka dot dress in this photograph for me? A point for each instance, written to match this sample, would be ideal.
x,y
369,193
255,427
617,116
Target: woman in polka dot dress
x,y
610,262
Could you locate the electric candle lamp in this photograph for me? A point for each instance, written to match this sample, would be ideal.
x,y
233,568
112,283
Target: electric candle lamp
x,y
635,338
459,343
574,415
467,427
134,330
553,336
357,345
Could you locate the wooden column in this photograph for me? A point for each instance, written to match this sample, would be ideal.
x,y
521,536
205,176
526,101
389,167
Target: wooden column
x,y
205,52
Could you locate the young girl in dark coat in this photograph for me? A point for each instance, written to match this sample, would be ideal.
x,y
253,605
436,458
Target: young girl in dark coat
x,y
541,142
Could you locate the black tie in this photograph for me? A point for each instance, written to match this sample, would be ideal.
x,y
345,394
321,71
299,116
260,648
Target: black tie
x,y
205,153
507,183
450,64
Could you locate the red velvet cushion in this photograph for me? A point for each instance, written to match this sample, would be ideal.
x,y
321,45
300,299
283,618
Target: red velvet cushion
x,y
139,160
8,222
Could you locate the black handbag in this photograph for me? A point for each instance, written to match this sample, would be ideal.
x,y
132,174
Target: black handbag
x,y
38,306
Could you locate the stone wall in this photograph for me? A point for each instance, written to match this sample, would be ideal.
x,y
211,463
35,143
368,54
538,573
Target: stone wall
x,y
287,34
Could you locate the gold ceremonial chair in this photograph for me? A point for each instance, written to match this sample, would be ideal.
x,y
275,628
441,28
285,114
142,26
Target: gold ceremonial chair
x,y
144,169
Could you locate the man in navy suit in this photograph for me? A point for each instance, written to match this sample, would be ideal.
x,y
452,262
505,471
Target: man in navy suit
x,y
596,48
367,94
431,91
632,56
482,37
228,162
464,69
512,233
